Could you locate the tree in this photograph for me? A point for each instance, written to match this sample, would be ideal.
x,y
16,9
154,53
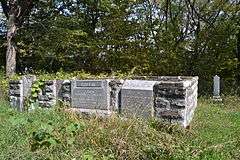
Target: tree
x,y
16,12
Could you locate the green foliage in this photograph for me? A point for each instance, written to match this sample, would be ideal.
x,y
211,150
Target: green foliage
x,y
56,134
146,37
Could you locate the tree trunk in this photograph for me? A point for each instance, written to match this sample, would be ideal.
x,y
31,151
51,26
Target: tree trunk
x,y
11,47
238,58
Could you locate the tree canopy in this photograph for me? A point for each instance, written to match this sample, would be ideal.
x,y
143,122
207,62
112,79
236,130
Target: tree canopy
x,y
168,37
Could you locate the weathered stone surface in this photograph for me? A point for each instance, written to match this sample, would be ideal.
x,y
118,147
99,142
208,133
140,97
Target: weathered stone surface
x,y
171,99
170,103
27,84
49,83
137,97
15,82
19,90
13,86
16,94
171,114
90,94
176,99
48,95
115,99
64,91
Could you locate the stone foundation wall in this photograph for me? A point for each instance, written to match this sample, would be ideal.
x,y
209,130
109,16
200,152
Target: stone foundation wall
x,y
16,94
47,97
175,99
171,99
19,91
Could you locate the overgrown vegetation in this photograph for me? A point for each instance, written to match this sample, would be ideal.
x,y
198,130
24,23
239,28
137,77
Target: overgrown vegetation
x,y
56,134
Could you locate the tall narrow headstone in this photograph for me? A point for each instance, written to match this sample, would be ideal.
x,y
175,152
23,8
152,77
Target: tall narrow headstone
x,y
216,88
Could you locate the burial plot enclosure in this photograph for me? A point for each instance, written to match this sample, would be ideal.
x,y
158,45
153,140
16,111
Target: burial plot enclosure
x,y
172,99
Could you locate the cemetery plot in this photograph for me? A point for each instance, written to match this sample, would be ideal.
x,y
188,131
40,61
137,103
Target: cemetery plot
x,y
172,99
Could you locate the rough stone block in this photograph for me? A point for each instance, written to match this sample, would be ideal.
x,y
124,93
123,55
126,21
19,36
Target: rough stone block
x,y
64,91
48,95
175,99
16,94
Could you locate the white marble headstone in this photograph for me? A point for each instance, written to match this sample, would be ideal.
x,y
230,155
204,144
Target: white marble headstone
x,y
216,86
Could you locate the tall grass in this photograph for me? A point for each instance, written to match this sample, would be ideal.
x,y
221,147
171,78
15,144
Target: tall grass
x,y
56,134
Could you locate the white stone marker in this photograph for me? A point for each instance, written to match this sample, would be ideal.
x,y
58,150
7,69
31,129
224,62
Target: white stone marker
x,y
216,88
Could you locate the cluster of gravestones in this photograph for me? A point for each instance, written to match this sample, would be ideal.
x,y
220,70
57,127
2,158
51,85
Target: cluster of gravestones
x,y
171,99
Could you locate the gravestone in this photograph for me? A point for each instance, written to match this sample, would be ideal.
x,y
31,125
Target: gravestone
x,y
27,84
216,88
137,98
91,96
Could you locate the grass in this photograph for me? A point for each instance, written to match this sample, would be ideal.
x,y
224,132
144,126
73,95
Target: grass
x,y
54,134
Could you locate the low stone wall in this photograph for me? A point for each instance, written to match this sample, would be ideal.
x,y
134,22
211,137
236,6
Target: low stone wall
x,y
176,99
171,99
19,91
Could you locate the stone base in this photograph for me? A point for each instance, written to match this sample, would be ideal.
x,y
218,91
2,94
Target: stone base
x,y
217,99
89,112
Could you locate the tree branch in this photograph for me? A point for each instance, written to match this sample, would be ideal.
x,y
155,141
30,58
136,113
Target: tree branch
x,y
5,8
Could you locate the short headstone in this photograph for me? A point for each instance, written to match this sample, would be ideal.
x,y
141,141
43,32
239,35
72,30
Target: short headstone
x,y
91,95
137,98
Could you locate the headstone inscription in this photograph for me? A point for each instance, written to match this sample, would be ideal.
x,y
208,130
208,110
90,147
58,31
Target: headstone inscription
x,y
137,98
89,95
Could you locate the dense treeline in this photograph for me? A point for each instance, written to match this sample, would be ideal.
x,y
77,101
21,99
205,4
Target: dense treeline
x,y
168,37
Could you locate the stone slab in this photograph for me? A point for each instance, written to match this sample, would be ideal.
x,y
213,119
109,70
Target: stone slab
x,y
137,98
90,94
